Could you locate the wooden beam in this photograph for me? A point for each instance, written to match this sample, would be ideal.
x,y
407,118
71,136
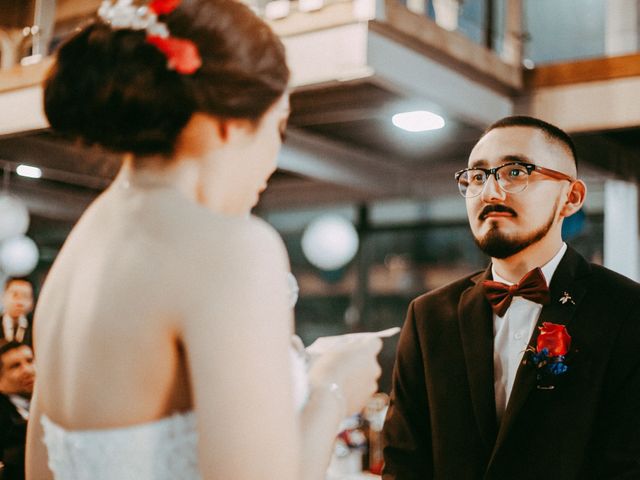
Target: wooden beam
x,y
16,14
68,9
586,106
333,14
19,77
583,71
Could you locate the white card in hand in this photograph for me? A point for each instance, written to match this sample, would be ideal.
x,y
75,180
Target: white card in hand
x,y
324,344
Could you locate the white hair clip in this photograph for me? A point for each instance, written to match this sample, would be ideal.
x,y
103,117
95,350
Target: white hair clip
x,y
182,54
123,14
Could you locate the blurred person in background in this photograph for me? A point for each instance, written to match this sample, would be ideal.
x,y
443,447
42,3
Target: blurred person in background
x,y
17,303
16,386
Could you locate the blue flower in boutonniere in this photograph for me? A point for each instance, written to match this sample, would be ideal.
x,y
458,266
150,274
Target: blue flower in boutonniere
x,y
549,356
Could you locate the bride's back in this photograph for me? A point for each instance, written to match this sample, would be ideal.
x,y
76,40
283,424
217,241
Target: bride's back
x,y
109,313
156,304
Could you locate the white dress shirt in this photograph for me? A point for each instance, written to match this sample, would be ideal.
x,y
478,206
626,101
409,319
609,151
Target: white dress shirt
x,y
9,328
511,335
22,405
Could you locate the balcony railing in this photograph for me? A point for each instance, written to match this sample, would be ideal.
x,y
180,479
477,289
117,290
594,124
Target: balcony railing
x,y
531,31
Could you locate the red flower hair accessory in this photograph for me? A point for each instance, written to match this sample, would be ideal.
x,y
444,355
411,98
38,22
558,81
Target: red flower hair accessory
x,y
182,54
163,7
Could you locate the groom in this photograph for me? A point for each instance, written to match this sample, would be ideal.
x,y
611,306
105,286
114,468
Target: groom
x,y
530,369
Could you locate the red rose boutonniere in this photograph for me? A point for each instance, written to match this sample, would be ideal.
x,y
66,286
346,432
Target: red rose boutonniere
x,y
549,355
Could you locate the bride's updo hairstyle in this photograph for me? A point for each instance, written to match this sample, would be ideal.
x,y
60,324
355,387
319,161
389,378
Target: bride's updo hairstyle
x,y
112,87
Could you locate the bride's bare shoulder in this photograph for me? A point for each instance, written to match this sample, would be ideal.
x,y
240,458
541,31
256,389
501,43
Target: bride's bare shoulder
x,y
218,237
238,267
219,252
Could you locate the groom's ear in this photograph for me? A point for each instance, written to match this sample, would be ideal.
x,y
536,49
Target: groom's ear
x,y
574,198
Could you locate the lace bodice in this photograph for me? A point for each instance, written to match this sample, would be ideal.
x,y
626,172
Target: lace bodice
x,y
162,450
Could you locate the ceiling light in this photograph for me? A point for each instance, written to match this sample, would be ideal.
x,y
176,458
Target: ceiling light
x,y
277,9
418,121
28,171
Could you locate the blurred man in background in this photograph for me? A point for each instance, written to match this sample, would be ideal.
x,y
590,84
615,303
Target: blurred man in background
x,y
17,301
17,376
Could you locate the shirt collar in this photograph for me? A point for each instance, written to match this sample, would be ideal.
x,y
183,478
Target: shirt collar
x,y
10,332
548,269
22,321
20,401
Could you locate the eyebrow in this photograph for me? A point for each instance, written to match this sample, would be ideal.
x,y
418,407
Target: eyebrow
x,y
513,157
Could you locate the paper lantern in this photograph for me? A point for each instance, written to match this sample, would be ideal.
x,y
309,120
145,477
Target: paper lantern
x,y
18,256
14,217
294,289
330,242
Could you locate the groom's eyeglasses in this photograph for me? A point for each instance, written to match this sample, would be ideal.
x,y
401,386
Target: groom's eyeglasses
x,y
512,177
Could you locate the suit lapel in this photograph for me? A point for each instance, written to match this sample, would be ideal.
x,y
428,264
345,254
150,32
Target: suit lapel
x,y
565,283
476,330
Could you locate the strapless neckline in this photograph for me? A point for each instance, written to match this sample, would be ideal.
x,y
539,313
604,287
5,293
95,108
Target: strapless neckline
x,y
170,421
163,449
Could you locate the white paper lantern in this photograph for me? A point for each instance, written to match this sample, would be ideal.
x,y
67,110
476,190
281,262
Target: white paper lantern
x,y
330,242
294,289
18,256
14,217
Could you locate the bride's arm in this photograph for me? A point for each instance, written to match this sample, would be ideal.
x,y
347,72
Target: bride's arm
x,y
36,454
342,379
237,334
320,420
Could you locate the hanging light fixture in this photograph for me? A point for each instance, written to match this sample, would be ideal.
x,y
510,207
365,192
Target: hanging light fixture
x,y
18,256
18,253
330,242
14,215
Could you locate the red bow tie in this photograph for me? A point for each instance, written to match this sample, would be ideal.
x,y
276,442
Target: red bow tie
x,y
532,286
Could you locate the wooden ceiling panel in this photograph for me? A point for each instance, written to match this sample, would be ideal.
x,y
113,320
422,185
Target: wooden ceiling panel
x,y
16,13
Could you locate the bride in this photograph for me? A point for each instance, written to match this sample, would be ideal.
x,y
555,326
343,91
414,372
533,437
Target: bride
x,y
163,333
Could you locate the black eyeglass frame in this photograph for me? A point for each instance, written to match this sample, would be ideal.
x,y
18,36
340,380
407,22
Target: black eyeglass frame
x,y
530,167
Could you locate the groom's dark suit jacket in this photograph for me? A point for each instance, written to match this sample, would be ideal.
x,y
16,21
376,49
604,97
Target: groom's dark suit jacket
x,y
442,422
13,434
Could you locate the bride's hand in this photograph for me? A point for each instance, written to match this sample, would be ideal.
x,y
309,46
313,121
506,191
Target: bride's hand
x,y
353,367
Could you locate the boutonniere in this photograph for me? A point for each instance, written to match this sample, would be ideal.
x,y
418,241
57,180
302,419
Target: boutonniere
x,y
548,357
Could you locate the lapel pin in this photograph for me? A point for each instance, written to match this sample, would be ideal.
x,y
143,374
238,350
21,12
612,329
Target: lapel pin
x,y
566,298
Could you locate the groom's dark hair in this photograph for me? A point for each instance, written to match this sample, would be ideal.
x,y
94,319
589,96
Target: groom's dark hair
x,y
550,131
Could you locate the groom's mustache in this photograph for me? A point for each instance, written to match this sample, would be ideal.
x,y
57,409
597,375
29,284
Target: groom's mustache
x,y
496,208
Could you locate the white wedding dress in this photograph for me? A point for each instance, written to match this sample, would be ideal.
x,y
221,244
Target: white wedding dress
x,y
162,450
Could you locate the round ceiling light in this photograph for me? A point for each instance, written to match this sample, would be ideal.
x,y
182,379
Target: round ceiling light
x,y
418,121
